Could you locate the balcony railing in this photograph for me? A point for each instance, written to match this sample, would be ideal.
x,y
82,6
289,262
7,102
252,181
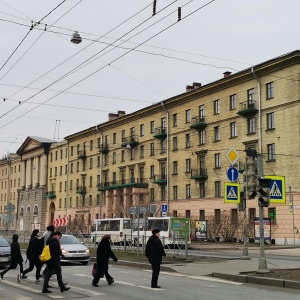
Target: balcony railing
x,y
81,154
51,195
132,141
103,148
199,174
123,183
160,179
160,133
198,123
81,190
247,108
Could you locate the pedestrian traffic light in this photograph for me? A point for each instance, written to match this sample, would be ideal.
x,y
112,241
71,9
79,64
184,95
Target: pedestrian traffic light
x,y
250,174
264,192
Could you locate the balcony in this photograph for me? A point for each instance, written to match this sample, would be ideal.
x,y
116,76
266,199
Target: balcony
x,y
160,179
198,123
103,148
81,154
81,190
123,183
160,133
199,174
51,195
247,109
132,141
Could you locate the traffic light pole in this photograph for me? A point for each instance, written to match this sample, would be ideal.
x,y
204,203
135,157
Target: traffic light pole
x,y
262,260
245,249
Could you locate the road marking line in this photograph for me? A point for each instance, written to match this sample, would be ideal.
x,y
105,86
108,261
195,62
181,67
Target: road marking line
x,y
94,293
82,275
139,286
16,296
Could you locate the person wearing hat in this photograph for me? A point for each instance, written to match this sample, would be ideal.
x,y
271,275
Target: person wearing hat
x,y
33,253
154,252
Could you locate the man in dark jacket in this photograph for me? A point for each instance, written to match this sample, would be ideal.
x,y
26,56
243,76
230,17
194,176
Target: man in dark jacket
x,y
16,256
104,252
33,253
154,252
53,263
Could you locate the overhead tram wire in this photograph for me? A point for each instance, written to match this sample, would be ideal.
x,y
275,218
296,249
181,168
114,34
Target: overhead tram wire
x,y
28,34
38,39
69,59
105,65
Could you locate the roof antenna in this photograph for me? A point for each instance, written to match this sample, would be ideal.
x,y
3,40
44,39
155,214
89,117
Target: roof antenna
x,y
55,128
58,129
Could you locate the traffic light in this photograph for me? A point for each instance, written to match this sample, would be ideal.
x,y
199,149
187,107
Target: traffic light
x,y
264,192
250,177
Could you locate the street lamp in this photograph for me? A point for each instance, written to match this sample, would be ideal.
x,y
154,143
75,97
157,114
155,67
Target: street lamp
x,y
76,38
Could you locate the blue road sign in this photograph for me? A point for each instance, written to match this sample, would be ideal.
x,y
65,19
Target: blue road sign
x,y
164,208
277,189
232,174
232,193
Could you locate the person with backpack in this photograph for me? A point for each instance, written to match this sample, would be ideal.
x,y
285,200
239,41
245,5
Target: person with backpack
x,y
47,234
33,252
16,257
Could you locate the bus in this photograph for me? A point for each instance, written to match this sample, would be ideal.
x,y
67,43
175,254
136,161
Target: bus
x,y
173,230
117,228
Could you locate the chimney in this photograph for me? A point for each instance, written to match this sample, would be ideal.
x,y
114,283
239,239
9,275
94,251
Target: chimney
x,y
112,116
121,113
226,74
189,88
196,85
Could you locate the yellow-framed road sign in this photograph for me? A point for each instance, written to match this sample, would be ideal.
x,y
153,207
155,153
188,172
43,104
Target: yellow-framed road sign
x,y
232,192
277,189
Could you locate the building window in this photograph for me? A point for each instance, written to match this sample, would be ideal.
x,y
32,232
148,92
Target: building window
x,y
217,133
152,171
201,112
270,121
106,159
123,155
152,195
233,130
217,216
163,145
202,190
188,191
59,203
202,137
77,166
188,165
175,192
175,120
51,157
132,153
60,186
91,163
234,216
217,160
188,140
251,125
175,167
216,107
90,200
188,116
152,127
114,158
142,130
187,213
175,143
217,188
56,155
114,138
271,151
232,102
202,215
142,151
250,97
91,145
163,193
175,213
152,152
91,181
252,214
270,90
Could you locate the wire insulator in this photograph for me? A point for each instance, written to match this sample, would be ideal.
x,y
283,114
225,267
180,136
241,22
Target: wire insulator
x,y
179,13
154,7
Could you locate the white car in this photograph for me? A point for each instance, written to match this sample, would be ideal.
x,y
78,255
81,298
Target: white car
x,y
4,252
73,250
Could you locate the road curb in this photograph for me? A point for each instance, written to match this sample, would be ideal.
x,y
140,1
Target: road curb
x,y
259,280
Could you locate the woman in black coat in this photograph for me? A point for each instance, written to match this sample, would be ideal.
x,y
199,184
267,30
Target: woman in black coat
x,y
104,252
16,256
33,253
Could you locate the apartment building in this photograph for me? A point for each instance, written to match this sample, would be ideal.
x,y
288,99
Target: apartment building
x,y
174,152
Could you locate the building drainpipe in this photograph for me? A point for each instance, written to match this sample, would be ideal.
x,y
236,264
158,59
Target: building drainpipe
x,y
67,187
100,175
167,129
262,260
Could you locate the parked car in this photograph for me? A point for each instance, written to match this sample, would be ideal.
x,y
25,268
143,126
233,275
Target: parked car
x,y
73,250
4,252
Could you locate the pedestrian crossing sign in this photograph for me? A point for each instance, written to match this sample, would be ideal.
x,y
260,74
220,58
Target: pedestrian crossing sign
x,y
232,192
277,189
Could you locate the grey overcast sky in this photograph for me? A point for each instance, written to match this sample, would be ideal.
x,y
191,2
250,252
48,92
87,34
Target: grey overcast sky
x,y
128,59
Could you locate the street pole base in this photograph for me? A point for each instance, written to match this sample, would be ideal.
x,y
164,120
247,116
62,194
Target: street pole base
x,y
245,257
262,266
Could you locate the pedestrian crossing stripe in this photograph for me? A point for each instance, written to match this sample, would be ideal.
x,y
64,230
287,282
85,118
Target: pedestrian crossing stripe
x,y
231,192
277,189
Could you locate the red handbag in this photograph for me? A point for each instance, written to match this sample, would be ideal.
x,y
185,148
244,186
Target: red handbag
x,y
94,269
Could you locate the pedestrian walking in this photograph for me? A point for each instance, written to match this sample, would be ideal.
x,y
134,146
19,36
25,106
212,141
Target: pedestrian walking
x,y
154,252
47,234
33,253
104,252
53,264
16,257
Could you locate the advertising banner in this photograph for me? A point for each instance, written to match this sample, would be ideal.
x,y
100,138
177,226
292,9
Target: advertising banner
x,y
267,229
201,230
